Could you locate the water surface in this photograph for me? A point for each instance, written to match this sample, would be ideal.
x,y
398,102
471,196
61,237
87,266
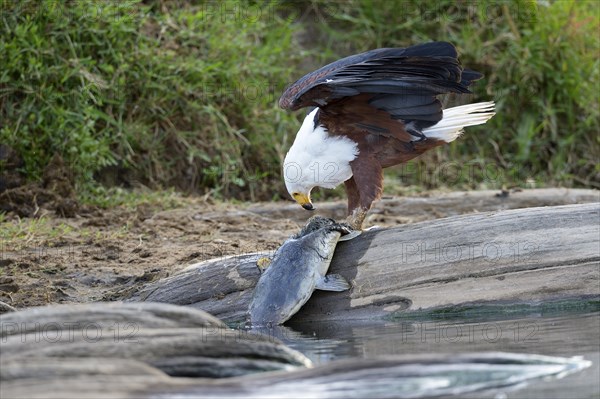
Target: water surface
x,y
566,336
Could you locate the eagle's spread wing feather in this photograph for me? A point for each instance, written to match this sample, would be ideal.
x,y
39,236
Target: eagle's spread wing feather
x,y
403,81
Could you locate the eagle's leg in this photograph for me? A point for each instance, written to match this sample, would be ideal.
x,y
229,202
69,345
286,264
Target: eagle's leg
x,y
356,212
357,217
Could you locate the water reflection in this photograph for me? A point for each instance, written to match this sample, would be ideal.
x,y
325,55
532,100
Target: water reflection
x,y
325,341
556,336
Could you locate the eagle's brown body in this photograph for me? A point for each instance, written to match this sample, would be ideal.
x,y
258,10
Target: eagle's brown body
x,y
377,150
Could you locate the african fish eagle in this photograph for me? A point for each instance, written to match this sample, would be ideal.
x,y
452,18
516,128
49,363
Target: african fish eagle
x,y
374,110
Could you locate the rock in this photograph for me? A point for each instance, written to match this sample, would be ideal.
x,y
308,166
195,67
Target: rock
x,y
177,340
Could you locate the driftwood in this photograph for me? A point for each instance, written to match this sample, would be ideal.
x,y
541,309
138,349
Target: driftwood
x,y
410,376
96,378
178,341
105,316
523,255
49,368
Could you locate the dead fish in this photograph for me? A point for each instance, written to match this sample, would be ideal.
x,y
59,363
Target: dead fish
x,y
298,268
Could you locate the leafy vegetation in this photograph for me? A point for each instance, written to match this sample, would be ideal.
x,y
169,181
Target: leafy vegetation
x,y
183,94
174,94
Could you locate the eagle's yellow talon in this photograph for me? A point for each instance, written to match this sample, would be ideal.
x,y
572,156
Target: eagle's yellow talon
x,y
263,263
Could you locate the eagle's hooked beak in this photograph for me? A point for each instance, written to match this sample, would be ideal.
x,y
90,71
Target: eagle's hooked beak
x,y
304,201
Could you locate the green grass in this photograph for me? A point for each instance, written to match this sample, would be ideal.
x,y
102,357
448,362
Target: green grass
x,y
43,233
173,95
131,199
183,95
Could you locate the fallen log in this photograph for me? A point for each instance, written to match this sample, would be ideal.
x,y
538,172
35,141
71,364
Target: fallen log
x,y
408,376
506,257
50,368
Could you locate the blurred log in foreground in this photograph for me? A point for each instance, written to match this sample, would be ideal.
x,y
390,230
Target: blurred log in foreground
x,y
178,341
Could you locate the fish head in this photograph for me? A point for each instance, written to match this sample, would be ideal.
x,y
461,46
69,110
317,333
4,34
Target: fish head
x,y
297,267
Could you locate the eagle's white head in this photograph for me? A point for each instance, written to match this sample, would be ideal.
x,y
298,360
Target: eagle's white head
x,y
316,159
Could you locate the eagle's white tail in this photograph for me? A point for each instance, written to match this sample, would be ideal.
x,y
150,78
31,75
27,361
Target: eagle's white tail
x,y
456,118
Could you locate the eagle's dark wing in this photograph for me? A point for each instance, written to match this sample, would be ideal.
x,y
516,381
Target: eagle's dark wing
x,y
400,81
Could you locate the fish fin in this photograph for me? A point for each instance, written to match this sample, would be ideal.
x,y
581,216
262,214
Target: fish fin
x,y
333,282
351,235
